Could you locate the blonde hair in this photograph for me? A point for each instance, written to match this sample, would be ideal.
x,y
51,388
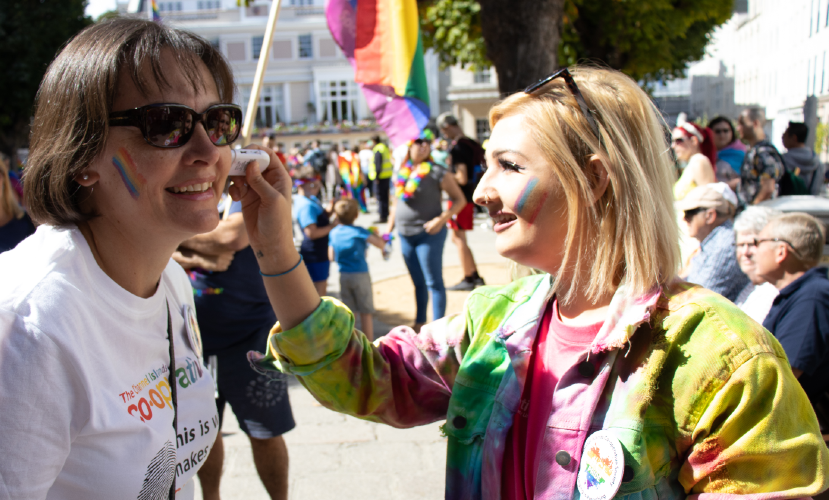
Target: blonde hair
x,y
630,234
347,210
8,196
803,232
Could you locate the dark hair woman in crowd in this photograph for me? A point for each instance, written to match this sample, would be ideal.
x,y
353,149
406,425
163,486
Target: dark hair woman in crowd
x,y
730,151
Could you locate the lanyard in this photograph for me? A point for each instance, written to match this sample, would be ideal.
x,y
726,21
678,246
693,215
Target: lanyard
x,y
172,378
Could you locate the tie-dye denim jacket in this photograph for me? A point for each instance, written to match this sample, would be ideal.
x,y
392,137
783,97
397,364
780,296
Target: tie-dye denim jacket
x,y
700,396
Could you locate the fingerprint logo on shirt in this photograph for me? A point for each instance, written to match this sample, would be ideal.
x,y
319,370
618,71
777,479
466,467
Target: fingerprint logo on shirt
x,y
159,476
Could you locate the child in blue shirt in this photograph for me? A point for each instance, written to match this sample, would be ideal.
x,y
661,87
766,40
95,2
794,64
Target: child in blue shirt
x,y
315,224
348,247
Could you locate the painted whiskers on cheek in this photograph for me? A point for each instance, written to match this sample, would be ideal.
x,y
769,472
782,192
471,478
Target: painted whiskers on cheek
x,y
531,200
129,172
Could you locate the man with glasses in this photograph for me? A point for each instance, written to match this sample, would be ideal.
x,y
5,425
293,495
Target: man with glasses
x,y
787,253
762,166
709,210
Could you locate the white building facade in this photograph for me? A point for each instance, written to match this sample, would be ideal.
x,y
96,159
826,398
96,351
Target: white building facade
x,y
773,56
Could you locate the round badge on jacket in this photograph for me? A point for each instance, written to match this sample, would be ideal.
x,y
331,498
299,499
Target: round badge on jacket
x,y
601,468
192,327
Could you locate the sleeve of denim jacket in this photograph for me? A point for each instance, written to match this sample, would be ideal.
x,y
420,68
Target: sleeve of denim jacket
x,y
403,379
758,436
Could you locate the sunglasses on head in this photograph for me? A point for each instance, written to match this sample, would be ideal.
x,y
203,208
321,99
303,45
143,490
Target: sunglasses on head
x,y
574,89
172,125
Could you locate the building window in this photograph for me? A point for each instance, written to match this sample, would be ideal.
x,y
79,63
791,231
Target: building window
x,y
257,46
169,6
302,2
209,4
271,108
482,129
338,101
305,47
483,76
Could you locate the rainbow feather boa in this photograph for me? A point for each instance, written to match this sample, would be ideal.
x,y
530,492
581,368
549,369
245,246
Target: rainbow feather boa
x,y
408,179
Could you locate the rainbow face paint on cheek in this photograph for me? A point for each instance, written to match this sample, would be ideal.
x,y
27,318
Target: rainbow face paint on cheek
x,y
531,200
129,172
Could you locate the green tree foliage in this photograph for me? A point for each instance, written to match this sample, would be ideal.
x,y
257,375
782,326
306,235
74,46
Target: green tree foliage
x,y
647,39
32,31
453,29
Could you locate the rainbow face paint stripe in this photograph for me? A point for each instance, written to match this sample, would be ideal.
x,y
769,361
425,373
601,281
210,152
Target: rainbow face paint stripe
x,y
531,200
129,172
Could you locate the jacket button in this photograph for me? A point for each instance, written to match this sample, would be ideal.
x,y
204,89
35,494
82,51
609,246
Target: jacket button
x,y
627,475
562,458
586,369
459,422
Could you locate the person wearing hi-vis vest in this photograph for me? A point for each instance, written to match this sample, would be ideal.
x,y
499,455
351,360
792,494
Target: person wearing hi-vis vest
x,y
381,177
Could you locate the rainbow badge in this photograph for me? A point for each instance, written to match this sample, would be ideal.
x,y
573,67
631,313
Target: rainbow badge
x,y
602,467
129,172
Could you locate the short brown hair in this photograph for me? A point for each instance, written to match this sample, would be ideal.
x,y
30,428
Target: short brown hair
x,y
347,210
305,172
803,232
76,95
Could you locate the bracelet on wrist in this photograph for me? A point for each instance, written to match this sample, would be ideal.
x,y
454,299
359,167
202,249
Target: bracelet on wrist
x,y
282,274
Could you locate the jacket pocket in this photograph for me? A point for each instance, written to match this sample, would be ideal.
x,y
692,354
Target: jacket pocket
x,y
466,422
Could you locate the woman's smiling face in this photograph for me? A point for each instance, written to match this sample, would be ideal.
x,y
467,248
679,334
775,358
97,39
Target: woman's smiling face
x,y
524,198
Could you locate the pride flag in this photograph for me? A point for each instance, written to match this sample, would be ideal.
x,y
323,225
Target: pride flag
x,y
154,8
381,39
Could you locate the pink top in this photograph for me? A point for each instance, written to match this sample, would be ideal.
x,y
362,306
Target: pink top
x,y
557,348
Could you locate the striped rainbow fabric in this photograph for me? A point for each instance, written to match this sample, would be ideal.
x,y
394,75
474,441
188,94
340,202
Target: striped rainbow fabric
x,y
156,14
382,40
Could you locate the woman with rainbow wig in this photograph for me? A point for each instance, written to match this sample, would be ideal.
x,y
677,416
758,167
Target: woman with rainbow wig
x,y
600,376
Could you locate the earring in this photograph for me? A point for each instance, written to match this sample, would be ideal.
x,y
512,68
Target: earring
x,y
85,177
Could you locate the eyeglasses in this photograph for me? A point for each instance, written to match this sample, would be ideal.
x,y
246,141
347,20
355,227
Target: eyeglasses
x,y
689,214
757,242
574,89
172,125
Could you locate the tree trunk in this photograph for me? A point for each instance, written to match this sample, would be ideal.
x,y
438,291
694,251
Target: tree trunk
x,y
522,38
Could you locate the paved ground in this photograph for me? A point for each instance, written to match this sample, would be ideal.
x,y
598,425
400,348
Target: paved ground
x,y
338,457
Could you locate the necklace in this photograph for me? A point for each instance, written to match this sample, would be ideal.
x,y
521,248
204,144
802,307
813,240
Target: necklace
x,y
408,179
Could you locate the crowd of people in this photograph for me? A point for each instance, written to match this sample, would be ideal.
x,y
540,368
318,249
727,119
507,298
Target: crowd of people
x,y
149,296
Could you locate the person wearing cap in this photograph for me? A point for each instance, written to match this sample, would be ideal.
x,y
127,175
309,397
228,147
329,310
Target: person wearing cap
x,y
709,212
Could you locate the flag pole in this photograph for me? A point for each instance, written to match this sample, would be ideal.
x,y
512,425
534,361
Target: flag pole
x,y
261,67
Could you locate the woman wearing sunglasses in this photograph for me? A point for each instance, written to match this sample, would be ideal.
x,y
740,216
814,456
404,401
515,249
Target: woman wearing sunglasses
x,y
614,379
129,156
694,146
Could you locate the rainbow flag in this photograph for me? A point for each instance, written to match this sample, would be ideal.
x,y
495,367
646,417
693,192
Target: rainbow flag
x,y
156,15
381,39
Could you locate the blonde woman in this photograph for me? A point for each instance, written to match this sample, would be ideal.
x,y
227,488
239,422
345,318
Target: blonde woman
x,y
614,378
15,224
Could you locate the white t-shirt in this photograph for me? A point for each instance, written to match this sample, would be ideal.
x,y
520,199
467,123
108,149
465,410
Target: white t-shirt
x,y
756,300
85,406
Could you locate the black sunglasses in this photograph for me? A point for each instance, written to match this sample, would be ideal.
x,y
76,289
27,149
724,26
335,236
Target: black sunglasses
x,y
574,89
689,214
172,125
